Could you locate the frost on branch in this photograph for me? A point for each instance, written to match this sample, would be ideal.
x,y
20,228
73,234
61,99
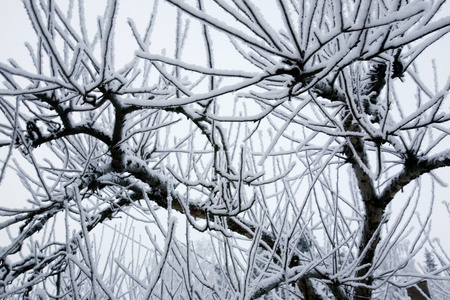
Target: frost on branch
x,y
224,150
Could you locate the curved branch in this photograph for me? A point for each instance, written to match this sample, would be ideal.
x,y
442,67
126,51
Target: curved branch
x,y
410,172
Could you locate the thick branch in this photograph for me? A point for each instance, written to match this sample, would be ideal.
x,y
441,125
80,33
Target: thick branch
x,y
410,172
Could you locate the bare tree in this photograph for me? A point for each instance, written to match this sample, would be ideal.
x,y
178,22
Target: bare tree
x,y
281,131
